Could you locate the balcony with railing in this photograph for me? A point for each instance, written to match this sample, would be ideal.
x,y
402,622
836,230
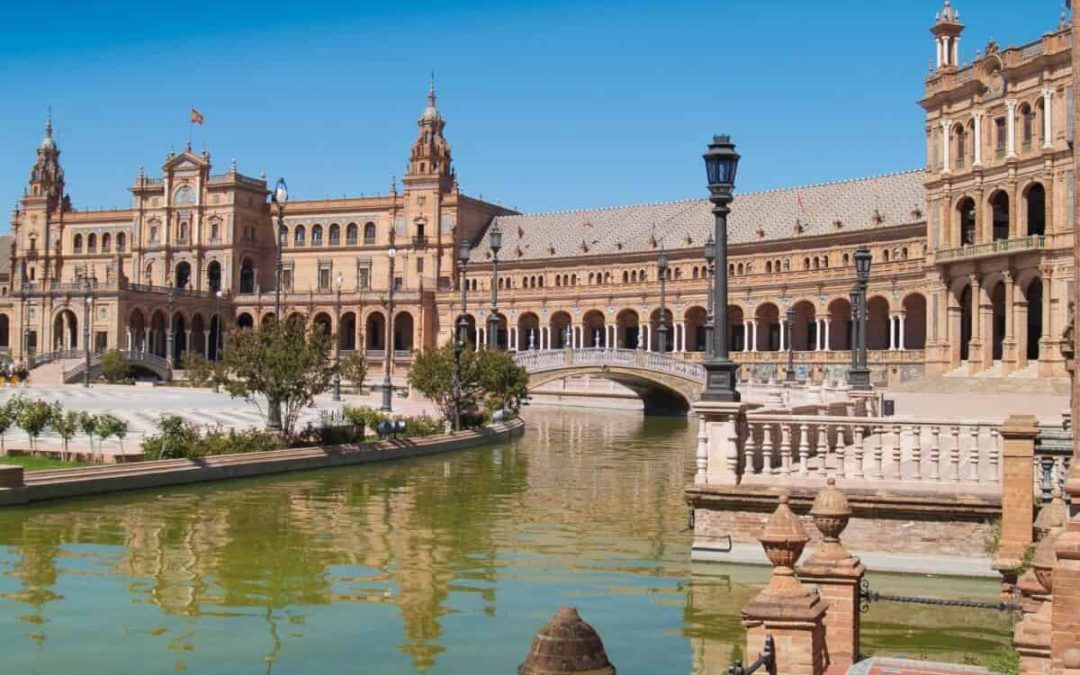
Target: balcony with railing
x,y
1035,242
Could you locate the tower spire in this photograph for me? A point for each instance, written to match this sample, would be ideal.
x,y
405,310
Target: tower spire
x,y
48,122
431,91
947,29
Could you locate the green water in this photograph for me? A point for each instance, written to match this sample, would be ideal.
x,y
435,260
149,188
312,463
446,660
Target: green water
x,y
447,564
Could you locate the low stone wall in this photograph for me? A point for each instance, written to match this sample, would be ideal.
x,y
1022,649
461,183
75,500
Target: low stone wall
x,y
17,487
930,524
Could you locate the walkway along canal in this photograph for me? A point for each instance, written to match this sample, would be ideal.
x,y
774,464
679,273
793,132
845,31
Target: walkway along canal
x,y
441,564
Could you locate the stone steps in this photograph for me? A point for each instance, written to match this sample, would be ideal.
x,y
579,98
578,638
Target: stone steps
x,y
1016,383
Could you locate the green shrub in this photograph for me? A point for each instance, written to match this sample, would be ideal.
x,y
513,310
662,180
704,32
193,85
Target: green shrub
x,y
114,368
423,425
177,438
198,370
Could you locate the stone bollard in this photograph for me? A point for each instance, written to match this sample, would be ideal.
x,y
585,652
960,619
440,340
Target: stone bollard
x,y
791,612
1065,615
1032,635
11,476
838,576
566,646
1017,495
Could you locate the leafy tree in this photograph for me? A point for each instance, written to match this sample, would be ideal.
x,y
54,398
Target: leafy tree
x,y
504,383
66,426
175,438
489,380
114,368
88,425
33,417
7,418
353,369
110,425
281,362
199,371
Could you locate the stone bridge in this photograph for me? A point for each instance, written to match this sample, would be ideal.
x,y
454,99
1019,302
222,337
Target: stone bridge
x,y
664,383
138,361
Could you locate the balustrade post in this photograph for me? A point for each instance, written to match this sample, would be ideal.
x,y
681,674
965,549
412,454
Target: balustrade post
x,y
857,442
767,449
954,456
915,432
804,449
973,455
935,453
878,451
896,453
995,456
822,449
785,449
749,450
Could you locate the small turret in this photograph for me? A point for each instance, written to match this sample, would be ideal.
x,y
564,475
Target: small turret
x,y
947,29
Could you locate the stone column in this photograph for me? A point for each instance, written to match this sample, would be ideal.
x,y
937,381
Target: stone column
x,y
1010,128
838,576
892,332
946,147
1017,494
753,335
719,450
1048,117
1008,343
746,336
827,324
783,335
791,612
978,117
901,330
975,346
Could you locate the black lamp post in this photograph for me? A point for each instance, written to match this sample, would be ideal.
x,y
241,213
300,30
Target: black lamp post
x,y
710,257
493,320
387,403
721,163
280,199
790,350
170,341
87,300
853,298
217,336
462,337
337,321
661,269
860,375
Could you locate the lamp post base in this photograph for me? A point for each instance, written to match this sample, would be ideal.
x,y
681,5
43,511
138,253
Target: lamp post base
x,y
387,392
721,378
859,379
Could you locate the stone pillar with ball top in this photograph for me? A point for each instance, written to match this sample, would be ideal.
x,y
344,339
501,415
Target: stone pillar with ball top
x,y
1032,635
566,646
1065,613
788,610
838,576
1017,495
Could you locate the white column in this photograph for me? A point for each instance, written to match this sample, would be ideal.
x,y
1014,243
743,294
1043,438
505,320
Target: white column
x,y
753,335
511,338
956,51
1048,118
1010,128
946,147
978,117
903,325
827,323
613,336
481,338
783,334
682,336
746,335
940,52
130,347
648,342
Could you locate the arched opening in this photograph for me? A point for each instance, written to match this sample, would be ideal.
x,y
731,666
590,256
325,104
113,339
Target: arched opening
x,y
877,323
66,331
299,235
914,321
158,338
965,214
91,243
403,332
199,336
334,234
1027,126
137,338
347,332
76,243
999,214
627,331
180,338
1034,296
965,322
375,331
369,233
352,234
767,318
997,302
213,276
694,320
470,330
316,235
595,330
1035,196
528,333
656,320
840,324
267,319
960,146
106,243
247,276
559,326
804,329
736,329
5,332
183,274
322,323
245,321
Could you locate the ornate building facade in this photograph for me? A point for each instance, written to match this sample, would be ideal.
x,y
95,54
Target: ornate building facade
x,y
971,269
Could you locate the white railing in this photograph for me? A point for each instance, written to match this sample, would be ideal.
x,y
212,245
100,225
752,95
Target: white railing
x,y
536,361
898,450
152,361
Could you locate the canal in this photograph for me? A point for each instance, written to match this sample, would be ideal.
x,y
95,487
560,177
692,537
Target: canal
x,y
447,564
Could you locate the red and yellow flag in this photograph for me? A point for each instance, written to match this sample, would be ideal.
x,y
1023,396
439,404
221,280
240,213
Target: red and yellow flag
x,y
196,116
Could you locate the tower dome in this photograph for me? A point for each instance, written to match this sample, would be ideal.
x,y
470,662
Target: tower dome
x,y
431,114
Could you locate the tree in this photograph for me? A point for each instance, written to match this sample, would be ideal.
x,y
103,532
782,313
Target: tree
x,y
114,367
110,425
7,418
505,383
281,362
32,418
66,426
353,369
199,371
88,425
490,380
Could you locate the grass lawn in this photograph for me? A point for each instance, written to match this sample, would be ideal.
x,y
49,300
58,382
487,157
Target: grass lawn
x,y
31,463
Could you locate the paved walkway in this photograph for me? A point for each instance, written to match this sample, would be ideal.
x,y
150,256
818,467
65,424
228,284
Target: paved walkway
x,y
978,406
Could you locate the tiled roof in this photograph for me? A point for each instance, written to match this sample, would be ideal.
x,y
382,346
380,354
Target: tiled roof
x,y
773,215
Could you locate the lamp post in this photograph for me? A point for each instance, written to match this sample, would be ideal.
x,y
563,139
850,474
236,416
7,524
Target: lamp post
x,y
661,270
860,375
710,257
721,164
493,320
280,199
790,350
853,298
387,403
462,337
218,294
87,299
339,282
170,340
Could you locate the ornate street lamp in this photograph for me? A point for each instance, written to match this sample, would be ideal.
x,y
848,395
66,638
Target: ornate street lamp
x,y
853,298
661,269
280,199
493,320
170,341
88,299
790,350
860,375
710,257
217,337
339,282
721,164
387,403
462,337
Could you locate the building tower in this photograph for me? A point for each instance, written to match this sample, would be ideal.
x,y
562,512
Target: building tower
x,y
429,160
42,206
947,29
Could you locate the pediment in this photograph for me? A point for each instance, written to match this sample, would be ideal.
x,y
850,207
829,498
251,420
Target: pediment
x,y
186,161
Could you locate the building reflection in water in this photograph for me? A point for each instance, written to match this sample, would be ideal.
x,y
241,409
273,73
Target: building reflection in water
x,y
451,561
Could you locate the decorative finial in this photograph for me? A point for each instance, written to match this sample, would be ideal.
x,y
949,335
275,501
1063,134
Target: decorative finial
x,y
431,90
232,165
393,185
187,146
48,122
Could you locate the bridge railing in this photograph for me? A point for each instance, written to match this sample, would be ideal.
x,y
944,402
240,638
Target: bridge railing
x,y
536,361
151,361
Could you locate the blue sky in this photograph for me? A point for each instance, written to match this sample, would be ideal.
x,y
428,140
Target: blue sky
x,y
549,105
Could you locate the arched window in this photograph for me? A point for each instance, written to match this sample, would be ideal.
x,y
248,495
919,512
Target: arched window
x,y
1027,125
847,260
768,267
121,241
1036,209
965,212
183,231
806,263
184,196
316,235
999,211
106,243
298,235
247,276
91,243
76,243
787,264
960,142
885,255
215,229
335,234
369,233
352,234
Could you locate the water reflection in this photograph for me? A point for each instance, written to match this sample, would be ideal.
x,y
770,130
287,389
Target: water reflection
x,y
447,564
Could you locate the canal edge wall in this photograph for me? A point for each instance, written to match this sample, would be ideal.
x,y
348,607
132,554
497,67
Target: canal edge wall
x,y
35,486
